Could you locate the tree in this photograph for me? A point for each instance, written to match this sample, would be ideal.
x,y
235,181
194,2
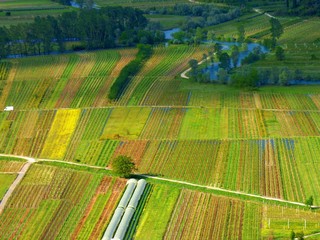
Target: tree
x,y
222,76
309,201
241,33
179,36
211,56
300,235
246,77
280,53
193,63
224,61
284,77
199,35
123,166
217,48
276,28
235,55
205,59
211,36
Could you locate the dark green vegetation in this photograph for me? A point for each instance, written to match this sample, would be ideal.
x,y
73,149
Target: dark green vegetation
x,y
128,72
123,166
94,29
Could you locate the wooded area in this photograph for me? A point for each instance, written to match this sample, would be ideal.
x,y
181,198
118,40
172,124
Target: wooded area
x,y
92,29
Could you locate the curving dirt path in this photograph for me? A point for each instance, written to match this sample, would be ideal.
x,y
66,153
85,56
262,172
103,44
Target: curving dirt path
x,y
259,11
184,74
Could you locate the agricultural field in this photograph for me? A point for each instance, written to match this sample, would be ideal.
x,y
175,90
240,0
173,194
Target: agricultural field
x,y
25,11
6,180
60,81
203,215
142,4
54,202
220,162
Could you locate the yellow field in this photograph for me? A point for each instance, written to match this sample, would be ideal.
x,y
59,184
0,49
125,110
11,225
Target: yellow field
x,y
60,133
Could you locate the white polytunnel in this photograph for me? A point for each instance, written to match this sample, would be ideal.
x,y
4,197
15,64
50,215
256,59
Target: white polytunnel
x,y
116,218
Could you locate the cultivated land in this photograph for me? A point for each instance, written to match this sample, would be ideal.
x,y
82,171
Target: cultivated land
x,y
227,163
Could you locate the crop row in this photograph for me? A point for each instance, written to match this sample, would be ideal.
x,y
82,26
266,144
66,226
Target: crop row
x,y
272,167
203,216
53,203
61,81
199,215
87,134
8,165
170,58
4,67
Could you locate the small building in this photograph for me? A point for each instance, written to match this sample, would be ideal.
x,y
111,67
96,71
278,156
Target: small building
x,y
8,108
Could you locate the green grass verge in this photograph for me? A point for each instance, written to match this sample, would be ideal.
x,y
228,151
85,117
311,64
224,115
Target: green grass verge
x,y
5,181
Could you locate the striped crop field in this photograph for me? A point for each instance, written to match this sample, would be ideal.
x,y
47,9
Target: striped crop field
x,y
251,151
10,165
165,64
274,167
60,133
266,152
189,214
71,80
159,197
53,202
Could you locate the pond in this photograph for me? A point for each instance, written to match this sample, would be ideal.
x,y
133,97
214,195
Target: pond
x,y
213,68
168,33
77,5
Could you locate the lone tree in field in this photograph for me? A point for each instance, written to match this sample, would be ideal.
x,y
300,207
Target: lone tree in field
x,y
123,166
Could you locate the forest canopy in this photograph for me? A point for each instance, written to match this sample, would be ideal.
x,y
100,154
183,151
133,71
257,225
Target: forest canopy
x,y
94,29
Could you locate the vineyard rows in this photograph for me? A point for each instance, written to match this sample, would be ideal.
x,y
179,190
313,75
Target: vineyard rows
x,y
281,168
54,202
203,216
73,80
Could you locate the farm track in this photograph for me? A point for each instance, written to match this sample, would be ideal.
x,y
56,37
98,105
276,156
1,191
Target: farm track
x,y
261,12
15,183
173,107
184,74
33,160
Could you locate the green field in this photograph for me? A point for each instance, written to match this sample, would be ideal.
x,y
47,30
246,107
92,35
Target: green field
x,y
6,180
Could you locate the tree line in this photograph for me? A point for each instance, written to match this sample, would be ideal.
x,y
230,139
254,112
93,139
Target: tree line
x,y
206,15
92,28
129,71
